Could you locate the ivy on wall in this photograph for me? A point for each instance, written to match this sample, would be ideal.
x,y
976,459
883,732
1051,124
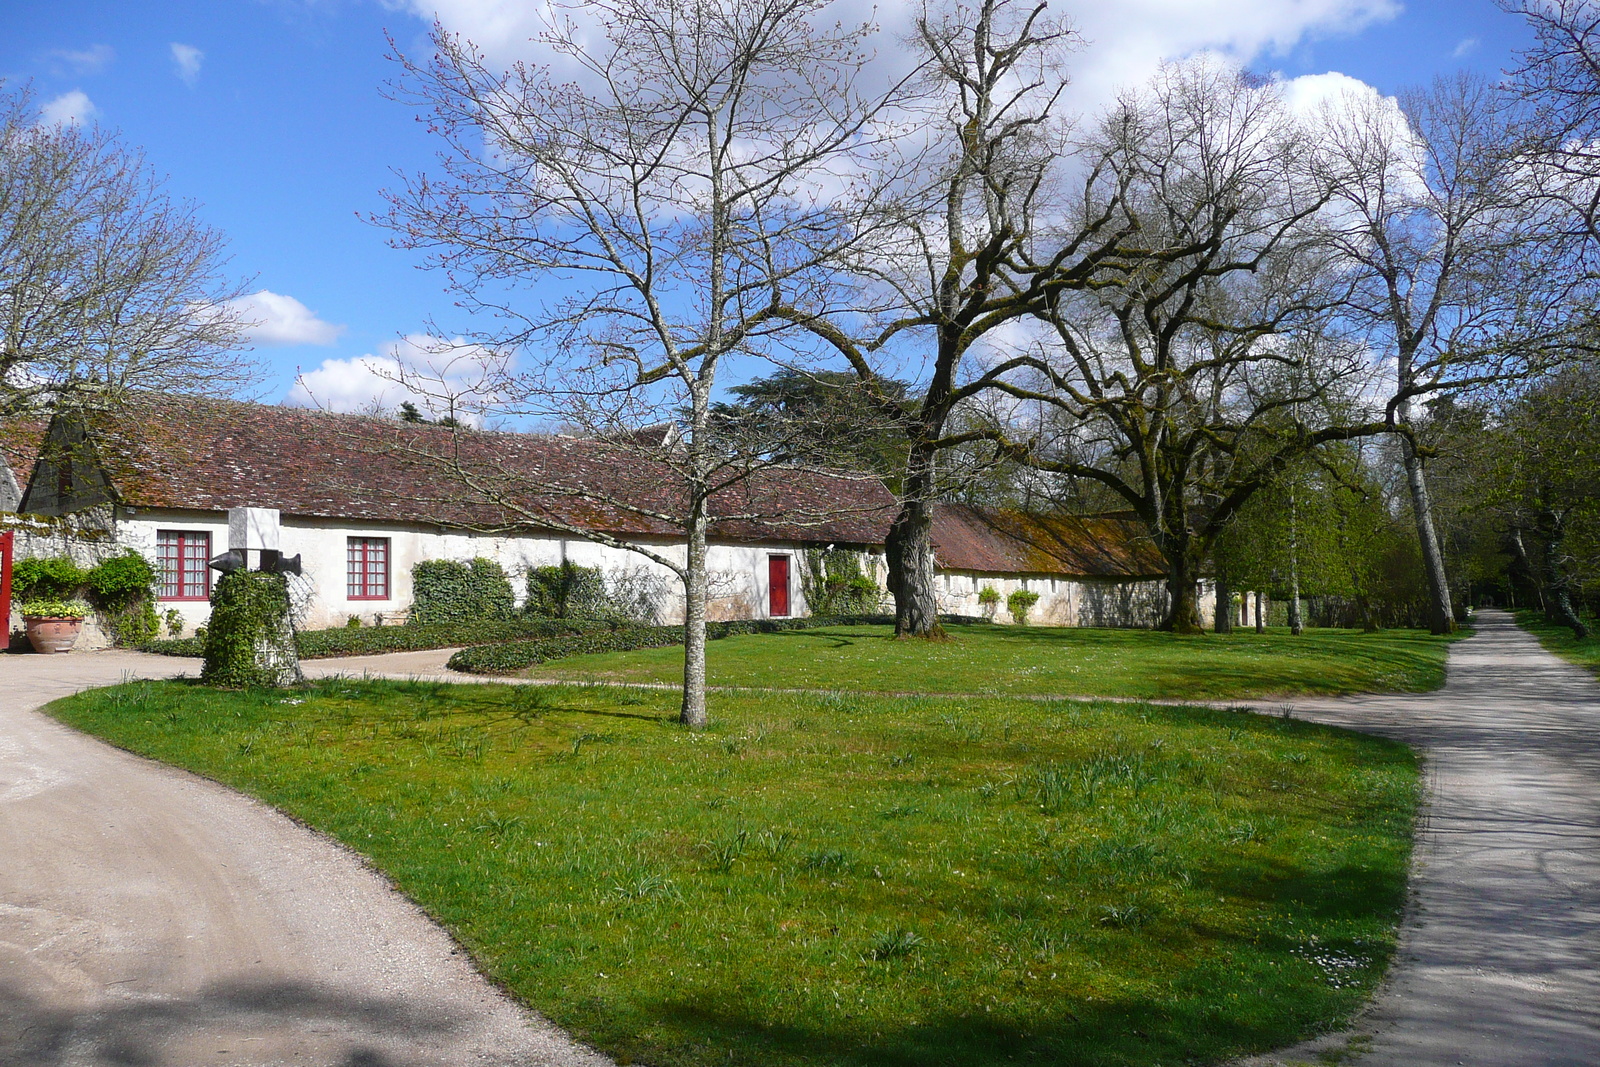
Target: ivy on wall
x,y
834,583
446,590
1020,603
568,591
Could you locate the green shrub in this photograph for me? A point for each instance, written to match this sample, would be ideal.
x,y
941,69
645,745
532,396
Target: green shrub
x,y
567,591
515,655
376,640
248,609
123,588
1020,603
988,601
57,578
446,590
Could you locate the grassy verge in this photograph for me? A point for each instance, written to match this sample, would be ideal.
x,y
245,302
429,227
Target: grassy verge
x,y
846,879
1046,661
1560,640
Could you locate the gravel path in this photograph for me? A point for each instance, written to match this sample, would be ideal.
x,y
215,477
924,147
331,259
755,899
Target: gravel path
x,y
1500,951
149,918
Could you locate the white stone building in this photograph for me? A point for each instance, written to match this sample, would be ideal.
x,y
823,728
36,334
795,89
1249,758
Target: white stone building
x,y
361,500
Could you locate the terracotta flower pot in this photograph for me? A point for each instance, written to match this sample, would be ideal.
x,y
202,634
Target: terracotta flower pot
x,y
52,635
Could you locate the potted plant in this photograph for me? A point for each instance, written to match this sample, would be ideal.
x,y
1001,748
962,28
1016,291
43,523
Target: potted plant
x,y
53,625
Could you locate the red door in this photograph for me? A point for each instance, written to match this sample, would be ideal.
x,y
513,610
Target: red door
x,y
777,585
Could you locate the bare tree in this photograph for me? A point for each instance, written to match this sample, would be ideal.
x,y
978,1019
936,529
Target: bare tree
x,y
1560,81
1189,378
1461,274
107,283
691,171
974,242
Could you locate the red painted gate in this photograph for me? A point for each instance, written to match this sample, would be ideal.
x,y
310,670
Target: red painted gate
x,y
777,585
6,540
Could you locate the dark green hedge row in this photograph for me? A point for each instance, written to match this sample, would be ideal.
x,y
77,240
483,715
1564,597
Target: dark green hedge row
x,y
372,640
449,590
515,655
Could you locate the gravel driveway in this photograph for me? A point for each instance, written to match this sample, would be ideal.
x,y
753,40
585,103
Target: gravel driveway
x,y
150,918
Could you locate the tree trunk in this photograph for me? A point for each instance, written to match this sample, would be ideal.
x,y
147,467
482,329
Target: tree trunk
x,y
908,550
1554,528
1224,609
1519,551
1261,612
693,714
1441,617
1183,594
1296,625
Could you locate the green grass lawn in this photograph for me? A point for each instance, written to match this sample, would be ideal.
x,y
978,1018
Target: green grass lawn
x,y
845,879
1045,661
1560,639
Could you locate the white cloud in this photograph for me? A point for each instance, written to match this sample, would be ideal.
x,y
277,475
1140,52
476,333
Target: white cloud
x,y
1306,94
69,109
91,60
187,58
274,319
1126,41
425,370
1466,47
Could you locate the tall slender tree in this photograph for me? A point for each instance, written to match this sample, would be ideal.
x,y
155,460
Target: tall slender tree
x,y
669,190
1460,273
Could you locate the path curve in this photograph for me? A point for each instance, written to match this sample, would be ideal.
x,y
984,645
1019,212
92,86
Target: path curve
x,y
150,918
1499,960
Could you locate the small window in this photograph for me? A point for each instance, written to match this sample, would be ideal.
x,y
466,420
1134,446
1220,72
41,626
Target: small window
x,y
181,556
367,575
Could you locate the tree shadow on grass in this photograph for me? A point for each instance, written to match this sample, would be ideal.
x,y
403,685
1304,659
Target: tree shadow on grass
x,y
1178,1029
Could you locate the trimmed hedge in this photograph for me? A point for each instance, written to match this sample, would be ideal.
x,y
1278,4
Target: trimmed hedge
x,y
374,640
447,590
515,655
567,591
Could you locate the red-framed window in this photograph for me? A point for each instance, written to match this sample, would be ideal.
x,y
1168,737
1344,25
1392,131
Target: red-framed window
x,y
367,573
181,556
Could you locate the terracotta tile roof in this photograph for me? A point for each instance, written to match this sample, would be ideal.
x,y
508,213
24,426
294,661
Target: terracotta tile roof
x,y
20,438
995,541
187,452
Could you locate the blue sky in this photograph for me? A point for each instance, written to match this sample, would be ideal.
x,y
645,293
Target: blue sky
x,y
270,115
